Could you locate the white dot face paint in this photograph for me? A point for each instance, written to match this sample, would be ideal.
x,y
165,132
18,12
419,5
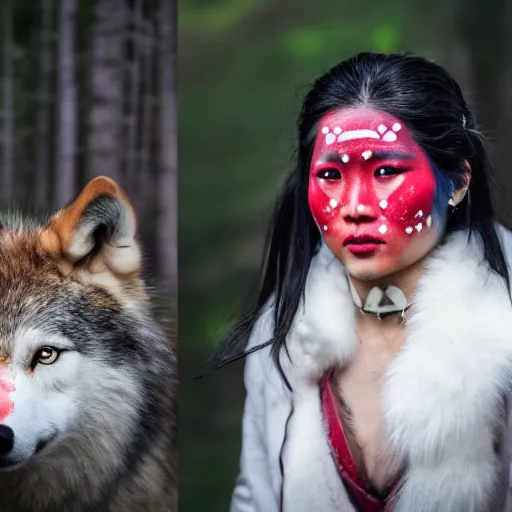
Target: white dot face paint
x,y
383,204
345,159
333,203
330,138
419,227
383,229
419,214
429,221
408,230
382,133
389,137
360,208
325,228
366,154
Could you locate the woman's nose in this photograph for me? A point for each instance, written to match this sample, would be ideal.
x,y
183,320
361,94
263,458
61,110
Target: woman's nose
x,y
360,203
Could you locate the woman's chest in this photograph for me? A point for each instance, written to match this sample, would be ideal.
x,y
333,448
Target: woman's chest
x,y
359,386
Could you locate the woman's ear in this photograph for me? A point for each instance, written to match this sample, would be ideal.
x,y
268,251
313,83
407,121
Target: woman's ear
x,y
459,194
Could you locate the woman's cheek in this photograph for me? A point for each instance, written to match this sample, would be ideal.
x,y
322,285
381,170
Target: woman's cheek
x,y
410,207
324,208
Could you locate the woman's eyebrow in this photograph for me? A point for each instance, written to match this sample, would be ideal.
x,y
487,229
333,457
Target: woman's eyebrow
x,y
331,157
334,157
391,155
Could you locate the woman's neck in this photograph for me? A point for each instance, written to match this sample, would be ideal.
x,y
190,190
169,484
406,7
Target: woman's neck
x,y
406,280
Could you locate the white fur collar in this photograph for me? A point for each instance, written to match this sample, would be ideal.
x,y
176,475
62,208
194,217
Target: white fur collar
x,y
443,391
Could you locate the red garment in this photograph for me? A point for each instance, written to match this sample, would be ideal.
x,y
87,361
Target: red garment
x,y
360,491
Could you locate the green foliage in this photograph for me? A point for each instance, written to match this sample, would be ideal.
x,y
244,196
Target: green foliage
x,y
218,15
385,38
304,42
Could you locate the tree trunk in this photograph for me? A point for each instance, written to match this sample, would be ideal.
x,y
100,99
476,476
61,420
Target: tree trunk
x,y
66,164
42,178
168,169
142,178
8,107
132,152
105,128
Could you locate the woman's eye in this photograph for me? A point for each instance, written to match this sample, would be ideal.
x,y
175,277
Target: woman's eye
x,y
329,174
46,355
388,171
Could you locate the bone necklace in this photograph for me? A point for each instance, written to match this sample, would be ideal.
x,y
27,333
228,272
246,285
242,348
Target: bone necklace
x,y
382,303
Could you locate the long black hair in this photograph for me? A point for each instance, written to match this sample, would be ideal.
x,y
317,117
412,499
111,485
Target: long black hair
x,y
429,101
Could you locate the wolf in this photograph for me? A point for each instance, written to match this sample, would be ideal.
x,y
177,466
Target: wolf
x,y
87,375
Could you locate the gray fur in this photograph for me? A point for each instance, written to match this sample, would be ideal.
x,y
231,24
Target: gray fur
x,y
118,452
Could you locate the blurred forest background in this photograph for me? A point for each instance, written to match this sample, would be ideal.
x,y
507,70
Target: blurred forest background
x,y
88,88
244,66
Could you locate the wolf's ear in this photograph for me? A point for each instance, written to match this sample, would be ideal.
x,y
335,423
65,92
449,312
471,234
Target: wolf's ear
x,y
97,227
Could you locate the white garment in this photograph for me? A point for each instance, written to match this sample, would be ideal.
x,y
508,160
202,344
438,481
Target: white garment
x,y
442,397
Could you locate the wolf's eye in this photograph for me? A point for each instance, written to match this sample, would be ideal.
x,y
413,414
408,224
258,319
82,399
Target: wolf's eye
x,y
46,355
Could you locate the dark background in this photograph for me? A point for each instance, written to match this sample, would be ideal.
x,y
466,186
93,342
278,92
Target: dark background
x,y
87,88
243,68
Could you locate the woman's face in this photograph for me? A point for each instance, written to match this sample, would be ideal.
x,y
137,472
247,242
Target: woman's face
x,y
371,192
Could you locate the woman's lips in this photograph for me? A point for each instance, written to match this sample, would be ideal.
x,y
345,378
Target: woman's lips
x,y
363,244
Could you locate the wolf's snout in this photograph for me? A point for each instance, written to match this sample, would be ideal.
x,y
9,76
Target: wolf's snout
x,y
6,439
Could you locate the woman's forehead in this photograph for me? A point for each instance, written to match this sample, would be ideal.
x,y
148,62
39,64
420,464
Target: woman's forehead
x,y
354,118
362,129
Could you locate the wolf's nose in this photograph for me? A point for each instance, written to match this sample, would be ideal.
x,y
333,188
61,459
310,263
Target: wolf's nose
x,y
6,439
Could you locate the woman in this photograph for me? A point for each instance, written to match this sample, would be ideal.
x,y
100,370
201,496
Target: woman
x,y
380,343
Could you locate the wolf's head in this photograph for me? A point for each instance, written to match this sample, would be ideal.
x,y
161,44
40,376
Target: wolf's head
x,y
80,357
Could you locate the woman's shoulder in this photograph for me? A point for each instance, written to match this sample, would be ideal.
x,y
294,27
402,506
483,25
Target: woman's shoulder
x,y
259,360
263,329
505,235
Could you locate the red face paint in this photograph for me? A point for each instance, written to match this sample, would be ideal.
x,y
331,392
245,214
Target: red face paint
x,y
371,189
6,388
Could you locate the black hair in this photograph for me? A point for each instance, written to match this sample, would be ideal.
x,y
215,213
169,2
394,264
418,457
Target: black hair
x,y
429,101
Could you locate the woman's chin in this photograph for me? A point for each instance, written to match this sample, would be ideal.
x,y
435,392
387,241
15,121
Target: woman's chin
x,y
368,273
371,268
383,267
